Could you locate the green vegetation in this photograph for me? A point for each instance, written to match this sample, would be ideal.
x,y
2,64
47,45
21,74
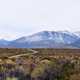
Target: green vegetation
x,y
41,66
8,78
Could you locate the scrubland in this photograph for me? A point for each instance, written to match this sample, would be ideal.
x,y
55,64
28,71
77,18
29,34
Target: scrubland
x,y
46,64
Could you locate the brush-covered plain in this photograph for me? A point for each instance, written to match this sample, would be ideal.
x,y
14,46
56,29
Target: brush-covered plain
x,y
44,64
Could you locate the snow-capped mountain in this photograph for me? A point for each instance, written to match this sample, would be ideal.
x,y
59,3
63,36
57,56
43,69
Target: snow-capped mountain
x,y
77,33
57,37
47,39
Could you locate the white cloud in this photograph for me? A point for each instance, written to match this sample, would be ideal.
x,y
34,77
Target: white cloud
x,y
23,17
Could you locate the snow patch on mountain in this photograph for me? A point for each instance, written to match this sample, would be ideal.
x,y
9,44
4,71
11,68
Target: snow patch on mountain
x,y
45,39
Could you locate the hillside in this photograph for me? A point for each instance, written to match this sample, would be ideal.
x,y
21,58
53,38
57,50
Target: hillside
x,y
45,39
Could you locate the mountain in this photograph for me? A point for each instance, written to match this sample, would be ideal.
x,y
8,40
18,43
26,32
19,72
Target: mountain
x,y
57,37
45,39
77,33
3,43
76,43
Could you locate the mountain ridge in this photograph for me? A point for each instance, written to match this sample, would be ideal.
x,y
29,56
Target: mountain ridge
x,y
45,39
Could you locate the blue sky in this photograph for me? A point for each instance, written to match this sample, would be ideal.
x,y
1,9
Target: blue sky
x,y
25,17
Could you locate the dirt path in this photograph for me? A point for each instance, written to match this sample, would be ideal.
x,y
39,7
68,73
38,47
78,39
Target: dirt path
x,y
16,56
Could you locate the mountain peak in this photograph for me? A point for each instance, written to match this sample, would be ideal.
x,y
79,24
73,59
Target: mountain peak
x,y
45,39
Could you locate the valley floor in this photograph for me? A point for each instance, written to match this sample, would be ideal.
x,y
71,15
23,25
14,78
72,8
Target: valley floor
x,y
39,64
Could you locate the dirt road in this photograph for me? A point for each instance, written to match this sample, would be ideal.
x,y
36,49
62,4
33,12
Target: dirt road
x,y
16,56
